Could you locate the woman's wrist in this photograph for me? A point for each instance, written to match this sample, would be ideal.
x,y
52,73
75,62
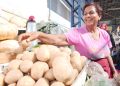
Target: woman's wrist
x,y
39,35
114,70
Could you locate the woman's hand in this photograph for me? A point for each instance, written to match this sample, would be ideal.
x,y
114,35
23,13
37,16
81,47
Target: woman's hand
x,y
24,36
28,36
115,74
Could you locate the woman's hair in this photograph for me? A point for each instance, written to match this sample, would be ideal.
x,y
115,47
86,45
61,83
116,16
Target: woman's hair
x,y
97,7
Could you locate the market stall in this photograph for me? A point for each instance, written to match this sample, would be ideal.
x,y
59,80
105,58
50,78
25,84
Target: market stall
x,y
40,66
45,65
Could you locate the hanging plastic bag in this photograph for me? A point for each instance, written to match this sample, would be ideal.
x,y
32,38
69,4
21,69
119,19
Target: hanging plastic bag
x,y
98,80
118,79
95,68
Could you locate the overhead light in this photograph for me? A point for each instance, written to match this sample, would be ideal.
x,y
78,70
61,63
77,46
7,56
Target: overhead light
x,y
114,8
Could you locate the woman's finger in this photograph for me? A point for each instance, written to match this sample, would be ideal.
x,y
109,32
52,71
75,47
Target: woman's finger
x,y
33,36
23,36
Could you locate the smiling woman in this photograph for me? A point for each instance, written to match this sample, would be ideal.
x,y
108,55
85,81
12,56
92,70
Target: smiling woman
x,y
92,15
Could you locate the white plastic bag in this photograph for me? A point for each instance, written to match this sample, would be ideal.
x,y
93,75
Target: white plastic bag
x,y
98,80
95,68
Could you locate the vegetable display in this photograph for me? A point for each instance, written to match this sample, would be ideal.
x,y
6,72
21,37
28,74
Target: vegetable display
x,y
43,67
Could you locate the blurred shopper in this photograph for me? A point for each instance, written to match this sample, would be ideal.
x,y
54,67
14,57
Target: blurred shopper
x,y
118,30
89,40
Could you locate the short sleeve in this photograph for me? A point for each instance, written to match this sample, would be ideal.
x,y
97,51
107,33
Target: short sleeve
x,y
72,36
107,38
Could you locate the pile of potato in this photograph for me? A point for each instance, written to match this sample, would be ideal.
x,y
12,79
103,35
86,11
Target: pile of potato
x,y
46,65
8,50
8,31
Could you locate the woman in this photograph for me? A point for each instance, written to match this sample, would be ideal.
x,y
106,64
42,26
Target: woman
x,y
89,40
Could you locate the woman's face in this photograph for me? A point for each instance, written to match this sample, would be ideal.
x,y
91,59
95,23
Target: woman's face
x,y
91,17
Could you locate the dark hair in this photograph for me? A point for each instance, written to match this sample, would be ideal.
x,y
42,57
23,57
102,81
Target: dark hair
x,y
97,7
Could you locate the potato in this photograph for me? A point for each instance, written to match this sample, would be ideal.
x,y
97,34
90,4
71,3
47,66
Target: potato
x,y
54,51
42,82
8,31
42,53
14,64
62,69
14,84
84,60
49,75
66,50
13,76
76,61
6,57
73,77
19,56
10,46
26,65
29,56
26,81
38,69
57,83
62,54
2,80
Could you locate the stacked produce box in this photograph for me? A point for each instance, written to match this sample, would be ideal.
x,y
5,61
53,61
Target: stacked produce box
x,y
10,23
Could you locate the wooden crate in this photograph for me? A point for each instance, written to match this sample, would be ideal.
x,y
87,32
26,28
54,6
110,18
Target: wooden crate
x,y
81,78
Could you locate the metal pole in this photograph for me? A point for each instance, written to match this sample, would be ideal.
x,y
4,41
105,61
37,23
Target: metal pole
x,y
79,13
72,13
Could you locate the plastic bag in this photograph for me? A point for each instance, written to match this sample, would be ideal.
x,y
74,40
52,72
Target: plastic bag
x,y
98,80
95,68
51,27
118,79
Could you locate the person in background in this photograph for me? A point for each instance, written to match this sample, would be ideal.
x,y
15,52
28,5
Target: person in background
x,y
105,27
89,40
118,30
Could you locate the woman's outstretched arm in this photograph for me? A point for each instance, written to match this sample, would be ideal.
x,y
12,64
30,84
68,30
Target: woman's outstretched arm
x,y
54,39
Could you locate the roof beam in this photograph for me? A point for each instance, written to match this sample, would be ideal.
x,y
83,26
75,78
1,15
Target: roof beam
x,y
114,8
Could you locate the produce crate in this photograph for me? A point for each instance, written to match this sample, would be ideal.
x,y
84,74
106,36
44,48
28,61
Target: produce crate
x,y
81,78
